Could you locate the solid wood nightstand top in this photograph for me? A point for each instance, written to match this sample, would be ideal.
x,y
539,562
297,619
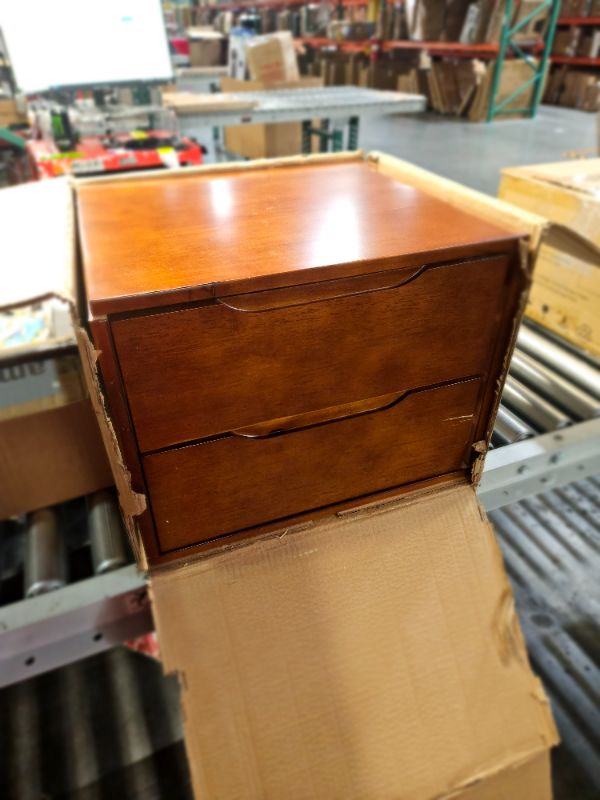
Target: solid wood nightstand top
x,y
160,241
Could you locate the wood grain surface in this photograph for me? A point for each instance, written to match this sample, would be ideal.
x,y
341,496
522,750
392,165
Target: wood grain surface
x,y
284,343
208,370
233,483
155,242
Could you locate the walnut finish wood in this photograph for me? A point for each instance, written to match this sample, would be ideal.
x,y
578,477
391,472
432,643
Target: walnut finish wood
x,y
225,485
283,343
155,242
223,367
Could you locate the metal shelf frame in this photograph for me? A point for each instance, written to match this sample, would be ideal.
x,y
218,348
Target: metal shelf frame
x,y
554,459
82,619
508,43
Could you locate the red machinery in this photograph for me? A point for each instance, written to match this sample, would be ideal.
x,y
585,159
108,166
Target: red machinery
x,y
118,152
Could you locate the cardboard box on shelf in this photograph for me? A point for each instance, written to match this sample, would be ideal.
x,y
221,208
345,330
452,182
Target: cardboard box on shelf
x,y
50,444
272,58
565,296
265,141
589,45
12,112
373,653
566,41
574,8
206,47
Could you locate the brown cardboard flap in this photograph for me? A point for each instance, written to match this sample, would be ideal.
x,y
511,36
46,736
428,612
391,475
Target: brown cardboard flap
x,y
368,656
482,205
227,167
132,503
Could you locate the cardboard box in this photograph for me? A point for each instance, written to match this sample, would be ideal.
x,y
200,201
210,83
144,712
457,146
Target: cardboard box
x,y
375,653
565,296
50,444
265,141
272,58
206,47
12,112
574,8
566,41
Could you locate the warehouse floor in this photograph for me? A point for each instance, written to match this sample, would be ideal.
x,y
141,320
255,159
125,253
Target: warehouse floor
x,y
475,153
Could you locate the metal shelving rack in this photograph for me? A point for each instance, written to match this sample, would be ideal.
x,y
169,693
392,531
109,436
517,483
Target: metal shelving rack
x,y
577,61
508,47
509,42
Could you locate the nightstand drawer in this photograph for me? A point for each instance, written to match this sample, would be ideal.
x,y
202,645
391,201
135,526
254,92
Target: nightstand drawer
x,y
238,361
258,476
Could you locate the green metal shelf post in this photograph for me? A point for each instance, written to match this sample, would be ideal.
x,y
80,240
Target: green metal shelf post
x,y
538,65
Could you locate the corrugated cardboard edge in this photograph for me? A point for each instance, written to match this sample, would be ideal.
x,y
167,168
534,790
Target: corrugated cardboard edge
x,y
132,503
515,220
537,761
505,630
227,167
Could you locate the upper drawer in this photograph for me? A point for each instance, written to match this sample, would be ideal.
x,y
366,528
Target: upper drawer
x,y
243,360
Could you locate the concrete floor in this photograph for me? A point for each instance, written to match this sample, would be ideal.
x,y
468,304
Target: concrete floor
x,y
474,153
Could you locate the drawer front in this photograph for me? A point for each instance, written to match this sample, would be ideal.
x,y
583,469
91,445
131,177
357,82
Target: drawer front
x,y
211,369
203,491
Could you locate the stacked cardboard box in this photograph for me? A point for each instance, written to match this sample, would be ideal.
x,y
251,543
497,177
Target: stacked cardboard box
x,y
272,64
574,89
12,112
206,47
565,296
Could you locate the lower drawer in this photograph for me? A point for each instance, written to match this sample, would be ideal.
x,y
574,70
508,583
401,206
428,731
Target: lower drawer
x,y
255,477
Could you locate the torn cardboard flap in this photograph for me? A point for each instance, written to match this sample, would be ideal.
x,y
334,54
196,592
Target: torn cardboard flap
x,y
132,503
367,657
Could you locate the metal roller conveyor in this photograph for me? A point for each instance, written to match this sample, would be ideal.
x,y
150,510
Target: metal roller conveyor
x,y
539,413
578,403
509,428
106,533
562,360
45,554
